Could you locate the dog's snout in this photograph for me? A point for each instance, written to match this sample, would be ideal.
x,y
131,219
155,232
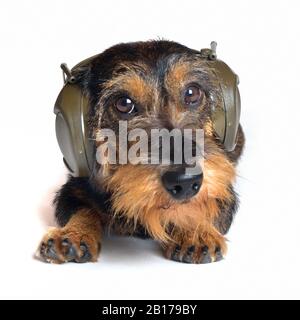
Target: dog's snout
x,y
180,185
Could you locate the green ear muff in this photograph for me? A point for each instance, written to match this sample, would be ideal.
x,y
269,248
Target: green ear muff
x,y
232,105
226,117
72,107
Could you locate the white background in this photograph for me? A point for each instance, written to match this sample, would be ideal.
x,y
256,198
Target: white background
x,y
258,39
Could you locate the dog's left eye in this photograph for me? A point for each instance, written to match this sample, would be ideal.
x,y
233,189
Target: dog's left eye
x,y
125,105
193,95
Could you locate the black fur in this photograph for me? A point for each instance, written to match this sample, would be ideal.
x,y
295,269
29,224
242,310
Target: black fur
x,y
227,212
78,193
153,53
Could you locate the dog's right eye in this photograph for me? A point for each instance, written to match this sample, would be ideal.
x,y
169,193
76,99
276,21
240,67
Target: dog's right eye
x,y
193,96
125,105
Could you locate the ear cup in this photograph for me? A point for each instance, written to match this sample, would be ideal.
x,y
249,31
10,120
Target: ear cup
x,y
226,118
71,109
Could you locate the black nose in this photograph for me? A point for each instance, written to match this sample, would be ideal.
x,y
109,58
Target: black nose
x,y
180,185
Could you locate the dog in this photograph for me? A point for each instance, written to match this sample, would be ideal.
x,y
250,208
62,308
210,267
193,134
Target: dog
x,y
149,85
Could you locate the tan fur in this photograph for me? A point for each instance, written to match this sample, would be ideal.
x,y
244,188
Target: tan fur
x,y
131,81
137,202
209,239
84,226
139,195
177,79
177,75
209,129
137,191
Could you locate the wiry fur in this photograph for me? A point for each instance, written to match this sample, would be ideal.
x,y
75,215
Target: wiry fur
x,y
130,199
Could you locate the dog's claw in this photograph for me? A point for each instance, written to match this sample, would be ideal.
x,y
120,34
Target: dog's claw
x,y
194,254
47,250
68,250
50,242
218,254
86,256
205,256
191,249
59,249
175,254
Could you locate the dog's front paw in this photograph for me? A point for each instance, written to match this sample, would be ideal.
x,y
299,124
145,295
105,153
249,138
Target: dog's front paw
x,y
189,253
65,245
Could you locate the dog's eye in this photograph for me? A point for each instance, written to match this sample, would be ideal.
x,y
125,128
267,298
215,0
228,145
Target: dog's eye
x,y
125,105
193,95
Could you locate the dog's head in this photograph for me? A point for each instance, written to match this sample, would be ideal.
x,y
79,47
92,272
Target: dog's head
x,y
140,88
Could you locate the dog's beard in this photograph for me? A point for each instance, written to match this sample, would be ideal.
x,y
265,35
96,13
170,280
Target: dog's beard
x,y
138,195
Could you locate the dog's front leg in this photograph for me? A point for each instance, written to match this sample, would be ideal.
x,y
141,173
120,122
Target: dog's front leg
x,y
77,241
79,235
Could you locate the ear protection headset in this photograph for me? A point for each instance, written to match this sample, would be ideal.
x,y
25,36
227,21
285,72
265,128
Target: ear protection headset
x,y
72,107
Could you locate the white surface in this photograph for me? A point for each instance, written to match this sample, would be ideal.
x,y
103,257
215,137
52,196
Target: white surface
x,y
259,39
